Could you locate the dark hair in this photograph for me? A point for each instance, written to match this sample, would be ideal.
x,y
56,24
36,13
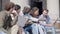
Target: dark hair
x,y
33,10
9,5
46,10
25,9
17,7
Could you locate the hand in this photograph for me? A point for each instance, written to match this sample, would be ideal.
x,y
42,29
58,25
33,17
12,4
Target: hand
x,y
14,12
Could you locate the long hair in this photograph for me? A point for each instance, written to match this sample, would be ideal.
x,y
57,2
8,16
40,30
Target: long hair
x,y
33,10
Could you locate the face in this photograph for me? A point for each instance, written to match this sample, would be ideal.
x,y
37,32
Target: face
x,y
10,11
27,10
36,12
18,11
45,13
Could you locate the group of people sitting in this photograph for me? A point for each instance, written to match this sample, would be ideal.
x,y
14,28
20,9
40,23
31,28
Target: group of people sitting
x,y
11,20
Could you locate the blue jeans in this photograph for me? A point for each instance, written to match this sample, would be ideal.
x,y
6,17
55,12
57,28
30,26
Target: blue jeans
x,y
46,29
28,29
2,33
36,29
26,32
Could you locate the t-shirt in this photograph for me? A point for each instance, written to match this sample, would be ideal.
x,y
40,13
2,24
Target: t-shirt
x,y
21,20
48,20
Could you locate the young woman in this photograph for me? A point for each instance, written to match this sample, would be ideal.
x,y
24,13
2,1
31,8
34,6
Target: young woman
x,y
35,27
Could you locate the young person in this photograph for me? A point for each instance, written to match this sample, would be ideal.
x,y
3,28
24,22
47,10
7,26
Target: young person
x,y
5,18
26,11
34,26
46,22
17,29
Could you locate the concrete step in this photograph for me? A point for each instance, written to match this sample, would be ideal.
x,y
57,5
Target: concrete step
x,y
51,33
57,31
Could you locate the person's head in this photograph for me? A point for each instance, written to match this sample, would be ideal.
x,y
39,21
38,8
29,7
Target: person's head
x,y
9,6
45,12
17,8
26,9
34,12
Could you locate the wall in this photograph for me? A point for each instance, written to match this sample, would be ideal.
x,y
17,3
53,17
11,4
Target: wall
x,y
53,7
22,3
59,8
3,2
0,4
44,4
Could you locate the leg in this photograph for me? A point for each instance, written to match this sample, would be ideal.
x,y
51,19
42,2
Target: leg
x,y
2,33
45,30
21,30
54,30
26,32
40,29
27,29
50,28
34,29
14,29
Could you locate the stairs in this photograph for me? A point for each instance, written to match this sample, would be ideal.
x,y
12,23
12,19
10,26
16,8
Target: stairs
x,y
57,25
57,31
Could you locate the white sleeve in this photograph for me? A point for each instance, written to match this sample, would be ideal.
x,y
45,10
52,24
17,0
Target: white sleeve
x,y
21,13
21,21
34,19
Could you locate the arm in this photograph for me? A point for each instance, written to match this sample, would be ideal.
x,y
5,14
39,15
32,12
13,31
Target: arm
x,y
45,20
34,19
49,21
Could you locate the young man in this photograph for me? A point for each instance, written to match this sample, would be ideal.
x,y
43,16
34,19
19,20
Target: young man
x,y
18,27
4,16
46,22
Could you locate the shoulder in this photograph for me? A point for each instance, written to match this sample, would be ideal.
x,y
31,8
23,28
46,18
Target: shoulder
x,y
40,16
48,16
4,12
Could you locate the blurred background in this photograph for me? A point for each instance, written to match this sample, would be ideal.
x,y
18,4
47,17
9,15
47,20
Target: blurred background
x,y
52,5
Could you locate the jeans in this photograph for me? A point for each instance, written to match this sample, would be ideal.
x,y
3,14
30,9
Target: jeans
x,y
36,29
27,29
26,32
2,33
46,29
